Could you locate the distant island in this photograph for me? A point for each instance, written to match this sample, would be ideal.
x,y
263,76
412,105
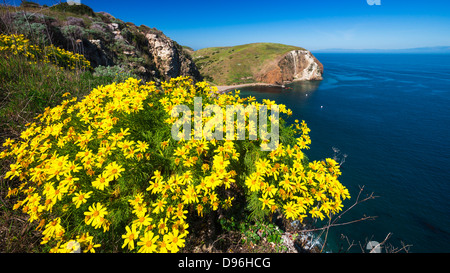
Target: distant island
x,y
417,50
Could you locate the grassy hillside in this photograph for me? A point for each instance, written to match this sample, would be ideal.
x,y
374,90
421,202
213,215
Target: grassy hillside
x,y
103,39
237,64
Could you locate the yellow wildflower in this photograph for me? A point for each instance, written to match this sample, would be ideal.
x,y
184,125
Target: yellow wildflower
x,y
81,198
95,214
148,243
129,237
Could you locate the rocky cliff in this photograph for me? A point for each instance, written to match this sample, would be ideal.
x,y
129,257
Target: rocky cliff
x,y
103,39
169,57
296,65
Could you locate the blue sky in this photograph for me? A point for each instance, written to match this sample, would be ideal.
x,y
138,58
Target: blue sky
x,y
314,24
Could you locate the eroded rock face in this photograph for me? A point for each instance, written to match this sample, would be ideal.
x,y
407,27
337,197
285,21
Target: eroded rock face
x,y
169,57
296,65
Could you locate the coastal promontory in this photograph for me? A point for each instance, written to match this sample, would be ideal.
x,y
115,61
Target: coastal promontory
x,y
268,63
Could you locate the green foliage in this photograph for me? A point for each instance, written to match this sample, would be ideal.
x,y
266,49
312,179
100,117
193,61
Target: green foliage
x,y
32,25
114,73
29,4
98,31
77,9
261,234
254,207
74,32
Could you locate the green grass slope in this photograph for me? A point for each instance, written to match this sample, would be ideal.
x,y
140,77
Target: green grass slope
x,y
237,64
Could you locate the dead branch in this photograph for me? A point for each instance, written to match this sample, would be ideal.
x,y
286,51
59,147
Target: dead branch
x,y
333,222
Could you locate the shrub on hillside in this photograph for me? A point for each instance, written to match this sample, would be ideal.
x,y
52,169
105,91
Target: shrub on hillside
x,y
74,21
19,45
106,169
116,73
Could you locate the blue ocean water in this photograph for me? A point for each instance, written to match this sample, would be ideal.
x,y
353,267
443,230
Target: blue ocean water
x,y
390,114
